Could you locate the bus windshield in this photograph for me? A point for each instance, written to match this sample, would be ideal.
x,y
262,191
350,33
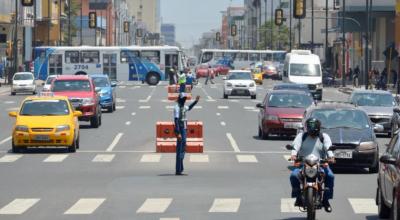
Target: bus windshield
x,y
303,69
207,57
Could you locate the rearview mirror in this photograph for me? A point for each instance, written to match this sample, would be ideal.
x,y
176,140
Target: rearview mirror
x,y
387,159
77,113
12,114
259,105
378,128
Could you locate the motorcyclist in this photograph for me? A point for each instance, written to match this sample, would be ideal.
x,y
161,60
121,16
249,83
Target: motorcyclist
x,y
313,142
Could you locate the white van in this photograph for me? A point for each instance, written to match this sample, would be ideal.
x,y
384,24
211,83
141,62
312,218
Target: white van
x,y
303,67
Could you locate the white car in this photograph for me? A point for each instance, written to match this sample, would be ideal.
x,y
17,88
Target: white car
x,y
23,82
240,83
47,84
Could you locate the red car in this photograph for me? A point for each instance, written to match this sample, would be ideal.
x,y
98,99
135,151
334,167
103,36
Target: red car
x,y
82,94
270,71
282,112
202,70
221,69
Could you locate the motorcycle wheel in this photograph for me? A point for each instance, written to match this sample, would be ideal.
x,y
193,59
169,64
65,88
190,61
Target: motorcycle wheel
x,y
310,203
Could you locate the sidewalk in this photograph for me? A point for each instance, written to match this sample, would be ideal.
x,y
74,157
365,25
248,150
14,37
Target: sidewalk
x,y
349,89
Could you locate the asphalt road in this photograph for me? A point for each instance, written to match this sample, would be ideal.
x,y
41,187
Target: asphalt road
x,y
117,175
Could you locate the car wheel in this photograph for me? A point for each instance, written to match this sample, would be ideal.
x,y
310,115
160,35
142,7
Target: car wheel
x,y
226,96
114,107
72,148
13,93
15,149
110,109
260,133
254,97
383,209
153,78
375,168
94,121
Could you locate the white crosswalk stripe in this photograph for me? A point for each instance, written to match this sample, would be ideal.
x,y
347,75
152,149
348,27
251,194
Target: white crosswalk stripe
x,y
155,205
18,206
150,158
144,107
169,218
120,107
198,107
85,206
103,158
287,206
169,107
56,158
10,158
223,107
246,158
249,108
363,206
199,158
225,205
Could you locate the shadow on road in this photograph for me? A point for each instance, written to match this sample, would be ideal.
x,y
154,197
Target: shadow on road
x,y
42,151
275,138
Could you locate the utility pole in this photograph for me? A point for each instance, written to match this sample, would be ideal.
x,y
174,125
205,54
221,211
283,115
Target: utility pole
x,y
15,44
299,23
59,24
34,24
326,31
272,24
81,34
265,23
48,22
69,23
312,26
343,45
290,25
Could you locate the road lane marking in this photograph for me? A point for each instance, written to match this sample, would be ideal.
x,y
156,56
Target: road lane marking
x,y
9,158
287,158
363,206
85,206
150,95
133,113
218,114
287,206
55,158
233,142
233,100
169,107
223,107
128,123
122,87
103,158
196,158
18,206
144,107
120,107
9,102
114,142
5,140
121,100
249,108
169,218
155,205
246,158
223,123
255,101
211,100
12,109
225,205
198,107
150,158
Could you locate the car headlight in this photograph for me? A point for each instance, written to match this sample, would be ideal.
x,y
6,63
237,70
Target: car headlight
x,y
104,93
272,118
369,145
252,85
62,128
88,101
311,172
319,86
229,84
21,128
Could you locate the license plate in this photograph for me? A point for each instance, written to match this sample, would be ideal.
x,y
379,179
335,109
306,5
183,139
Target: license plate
x,y
345,154
240,91
292,125
41,137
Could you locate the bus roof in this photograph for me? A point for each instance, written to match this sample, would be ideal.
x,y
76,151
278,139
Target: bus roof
x,y
243,51
133,47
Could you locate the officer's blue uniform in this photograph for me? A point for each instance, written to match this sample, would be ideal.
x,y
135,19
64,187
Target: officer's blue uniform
x,y
180,128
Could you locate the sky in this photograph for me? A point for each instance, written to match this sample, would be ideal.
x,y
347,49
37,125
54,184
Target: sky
x,y
194,17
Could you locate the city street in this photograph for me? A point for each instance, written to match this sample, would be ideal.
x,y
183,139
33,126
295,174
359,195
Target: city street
x,y
116,173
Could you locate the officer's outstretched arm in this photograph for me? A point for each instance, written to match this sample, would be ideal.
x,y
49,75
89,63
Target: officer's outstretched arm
x,y
194,103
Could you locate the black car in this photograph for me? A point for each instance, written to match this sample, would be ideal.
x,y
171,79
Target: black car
x,y
293,86
351,131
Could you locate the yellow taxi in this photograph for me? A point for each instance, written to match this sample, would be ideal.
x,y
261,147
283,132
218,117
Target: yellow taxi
x,y
258,75
44,121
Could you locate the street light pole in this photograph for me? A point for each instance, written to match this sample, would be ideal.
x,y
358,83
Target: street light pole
x,y
343,46
15,45
366,45
326,30
272,24
265,23
312,26
290,25
69,23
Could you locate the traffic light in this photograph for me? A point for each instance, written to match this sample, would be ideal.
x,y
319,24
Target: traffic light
x,y
92,20
278,17
27,3
233,30
299,9
139,32
218,37
9,50
126,26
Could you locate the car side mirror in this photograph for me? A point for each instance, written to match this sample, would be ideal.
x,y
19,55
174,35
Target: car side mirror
x,y
387,159
224,78
12,114
396,110
289,147
259,105
113,84
378,128
397,98
77,113
97,89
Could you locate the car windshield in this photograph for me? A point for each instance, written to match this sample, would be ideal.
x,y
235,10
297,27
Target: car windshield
x,y
378,100
101,82
240,76
44,108
297,69
49,80
289,101
23,77
71,85
341,118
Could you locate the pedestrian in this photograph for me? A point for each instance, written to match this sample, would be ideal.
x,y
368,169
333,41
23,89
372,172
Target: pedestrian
x,y
210,75
190,78
356,76
350,74
383,79
171,76
180,120
182,81
394,77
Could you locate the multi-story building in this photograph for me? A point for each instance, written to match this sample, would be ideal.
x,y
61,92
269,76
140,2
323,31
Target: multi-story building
x,y
168,33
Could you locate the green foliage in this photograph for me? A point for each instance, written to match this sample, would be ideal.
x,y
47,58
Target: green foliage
x,y
75,11
280,36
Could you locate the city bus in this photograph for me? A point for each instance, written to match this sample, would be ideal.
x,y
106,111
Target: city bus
x,y
238,59
123,63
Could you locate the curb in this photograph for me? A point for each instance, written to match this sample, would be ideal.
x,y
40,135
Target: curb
x,y
346,90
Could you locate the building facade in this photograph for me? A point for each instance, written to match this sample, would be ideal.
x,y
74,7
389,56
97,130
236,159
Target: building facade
x,y
168,33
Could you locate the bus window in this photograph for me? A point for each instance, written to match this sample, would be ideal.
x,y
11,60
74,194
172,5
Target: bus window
x,y
254,57
279,57
207,57
242,56
218,55
55,64
152,56
266,56
231,55
90,57
71,56
127,55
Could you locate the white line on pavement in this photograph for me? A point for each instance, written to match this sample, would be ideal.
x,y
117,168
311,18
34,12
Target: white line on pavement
x,y
103,158
114,142
133,113
195,158
223,123
128,123
150,158
18,206
223,107
144,107
85,206
9,102
169,218
233,100
249,108
246,158
218,114
233,142
156,205
9,158
55,158
122,87
225,205
287,157
120,107
169,107
121,100
287,206
363,206
198,107
5,140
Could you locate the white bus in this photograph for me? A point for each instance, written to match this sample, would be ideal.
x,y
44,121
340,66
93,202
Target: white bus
x,y
238,59
125,63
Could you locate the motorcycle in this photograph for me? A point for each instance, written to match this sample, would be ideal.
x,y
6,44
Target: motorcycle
x,y
312,180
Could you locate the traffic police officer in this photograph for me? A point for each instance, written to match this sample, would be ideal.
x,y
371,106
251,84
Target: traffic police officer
x,y
180,120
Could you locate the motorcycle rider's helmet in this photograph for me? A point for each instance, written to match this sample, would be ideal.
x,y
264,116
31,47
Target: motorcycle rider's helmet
x,y
313,126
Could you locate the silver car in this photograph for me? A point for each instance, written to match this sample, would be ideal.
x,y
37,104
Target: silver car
x,y
378,105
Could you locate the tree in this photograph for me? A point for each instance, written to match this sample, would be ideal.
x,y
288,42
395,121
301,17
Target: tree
x,y
75,10
280,36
